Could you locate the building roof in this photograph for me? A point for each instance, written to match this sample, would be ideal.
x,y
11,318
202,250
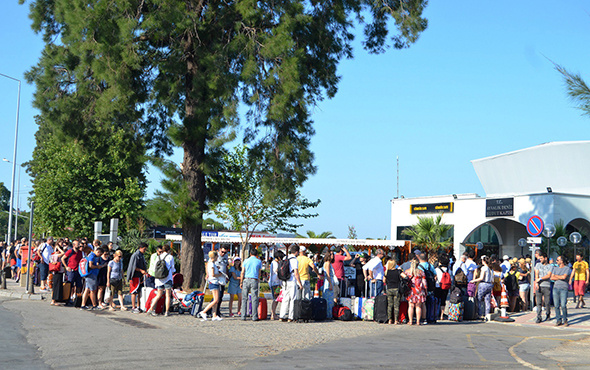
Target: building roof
x,y
558,165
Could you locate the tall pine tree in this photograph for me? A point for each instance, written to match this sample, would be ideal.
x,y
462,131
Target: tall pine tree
x,y
179,69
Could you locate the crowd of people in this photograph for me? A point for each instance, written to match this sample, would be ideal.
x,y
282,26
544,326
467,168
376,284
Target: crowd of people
x,y
420,279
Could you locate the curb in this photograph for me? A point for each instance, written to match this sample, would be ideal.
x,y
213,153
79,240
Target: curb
x,y
15,295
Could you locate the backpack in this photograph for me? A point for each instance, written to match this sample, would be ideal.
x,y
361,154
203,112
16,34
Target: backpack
x,y
460,278
405,285
161,270
511,282
83,267
284,270
456,295
430,278
445,280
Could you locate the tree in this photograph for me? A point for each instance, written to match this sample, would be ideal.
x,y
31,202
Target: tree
x,y
179,70
247,206
4,198
577,89
312,235
430,233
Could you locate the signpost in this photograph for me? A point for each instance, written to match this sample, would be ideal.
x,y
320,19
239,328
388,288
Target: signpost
x,y
534,227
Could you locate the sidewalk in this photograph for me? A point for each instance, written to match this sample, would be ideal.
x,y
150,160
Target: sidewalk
x,y
578,318
14,290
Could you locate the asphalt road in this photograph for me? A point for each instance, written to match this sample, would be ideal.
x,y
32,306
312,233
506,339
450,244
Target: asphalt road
x,y
36,335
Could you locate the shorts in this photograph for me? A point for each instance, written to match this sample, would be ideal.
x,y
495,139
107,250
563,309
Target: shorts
x,y
214,286
135,285
91,283
43,271
524,287
579,287
116,287
102,278
167,285
234,289
275,291
74,278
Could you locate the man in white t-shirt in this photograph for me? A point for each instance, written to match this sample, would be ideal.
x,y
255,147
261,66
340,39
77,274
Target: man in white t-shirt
x,y
44,251
375,273
164,283
291,286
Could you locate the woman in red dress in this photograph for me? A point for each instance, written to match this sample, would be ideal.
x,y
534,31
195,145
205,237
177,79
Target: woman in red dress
x,y
417,294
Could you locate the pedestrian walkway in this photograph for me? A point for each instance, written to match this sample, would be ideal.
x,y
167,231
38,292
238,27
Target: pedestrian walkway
x,y
15,290
578,318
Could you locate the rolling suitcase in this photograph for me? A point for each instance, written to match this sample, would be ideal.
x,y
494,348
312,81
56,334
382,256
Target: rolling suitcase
x,y
319,309
357,307
302,311
403,312
197,304
159,307
469,308
143,297
380,309
432,309
262,309
66,292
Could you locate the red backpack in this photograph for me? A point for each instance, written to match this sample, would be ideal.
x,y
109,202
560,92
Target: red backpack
x,y
445,280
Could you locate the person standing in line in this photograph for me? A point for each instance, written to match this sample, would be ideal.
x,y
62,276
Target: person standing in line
x,y
164,284
305,264
443,279
102,273
329,282
524,285
233,288
580,277
115,280
339,259
135,273
417,294
213,275
250,283
392,280
560,275
222,262
543,284
274,283
44,252
71,260
359,261
291,286
484,288
91,282
375,273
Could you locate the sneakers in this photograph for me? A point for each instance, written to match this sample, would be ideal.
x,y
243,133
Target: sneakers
x,y
203,316
153,313
84,308
217,318
136,310
566,324
558,323
538,320
166,314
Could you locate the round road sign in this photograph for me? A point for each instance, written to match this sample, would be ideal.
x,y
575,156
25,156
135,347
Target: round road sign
x,y
535,226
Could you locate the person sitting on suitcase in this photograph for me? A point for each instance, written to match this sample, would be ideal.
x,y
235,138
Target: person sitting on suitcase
x,y
250,283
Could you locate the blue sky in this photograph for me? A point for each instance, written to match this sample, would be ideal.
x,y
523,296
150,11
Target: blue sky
x,y
478,82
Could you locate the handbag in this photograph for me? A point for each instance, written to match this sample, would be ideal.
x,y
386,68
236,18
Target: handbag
x,y
55,264
280,297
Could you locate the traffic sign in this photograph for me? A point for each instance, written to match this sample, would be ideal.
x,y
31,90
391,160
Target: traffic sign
x,y
535,226
534,240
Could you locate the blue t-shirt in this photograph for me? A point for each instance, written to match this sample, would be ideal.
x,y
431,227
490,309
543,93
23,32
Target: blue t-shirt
x,y
232,281
95,261
252,266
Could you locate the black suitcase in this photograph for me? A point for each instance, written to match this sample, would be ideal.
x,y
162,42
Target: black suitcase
x,y
302,311
380,309
319,309
469,308
432,309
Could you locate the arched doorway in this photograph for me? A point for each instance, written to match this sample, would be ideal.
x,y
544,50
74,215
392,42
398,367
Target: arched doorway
x,y
582,226
499,236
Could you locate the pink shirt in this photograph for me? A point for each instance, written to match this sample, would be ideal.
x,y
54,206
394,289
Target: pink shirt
x,y
339,265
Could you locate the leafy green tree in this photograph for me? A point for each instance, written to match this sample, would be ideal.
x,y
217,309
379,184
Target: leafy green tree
x,y
177,70
577,89
247,206
430,233
4,198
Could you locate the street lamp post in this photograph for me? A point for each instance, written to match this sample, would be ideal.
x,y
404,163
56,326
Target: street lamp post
x,y
13,158
17,199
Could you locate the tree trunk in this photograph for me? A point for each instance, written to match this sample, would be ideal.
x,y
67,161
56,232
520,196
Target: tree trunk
x,y
192,261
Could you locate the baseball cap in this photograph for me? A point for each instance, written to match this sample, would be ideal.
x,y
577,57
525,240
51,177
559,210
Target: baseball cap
x,y
506,257
302,248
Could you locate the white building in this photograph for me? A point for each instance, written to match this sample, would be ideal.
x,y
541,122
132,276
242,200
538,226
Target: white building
x,y
550,180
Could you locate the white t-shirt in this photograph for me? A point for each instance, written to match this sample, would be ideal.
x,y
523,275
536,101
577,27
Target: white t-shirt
x,y
439,274
294,266
273,279
46,251
171,270
376,266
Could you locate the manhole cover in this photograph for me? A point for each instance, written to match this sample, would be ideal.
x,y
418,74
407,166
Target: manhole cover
x,y
134,323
